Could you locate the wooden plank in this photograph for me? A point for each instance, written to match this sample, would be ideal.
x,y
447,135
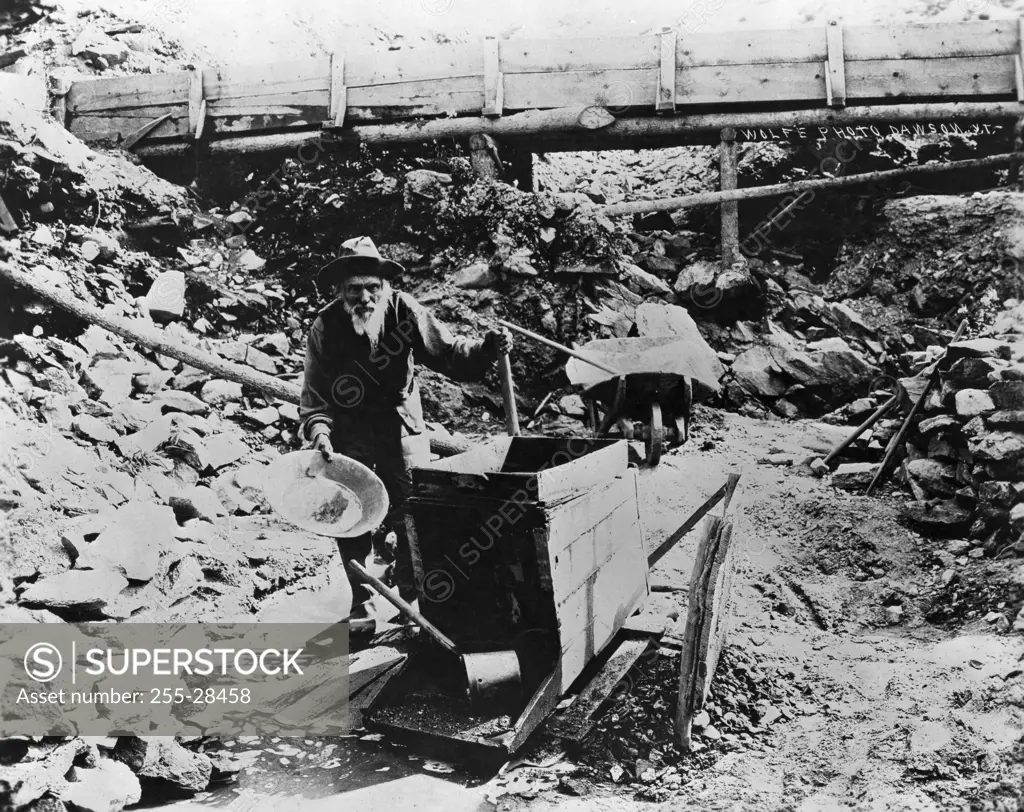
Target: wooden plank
x,y
143,131
437,97
1018,75
493,83
836,66
699,582
666,101
727,84
761,47
716,620
117,128
580,54
930,40
307,76
1019,66
576,721
195,99
592,619
888,78
414,65
339,93
614,89
127,92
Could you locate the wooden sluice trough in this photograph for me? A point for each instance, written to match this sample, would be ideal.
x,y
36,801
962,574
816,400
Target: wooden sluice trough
x,y
525,544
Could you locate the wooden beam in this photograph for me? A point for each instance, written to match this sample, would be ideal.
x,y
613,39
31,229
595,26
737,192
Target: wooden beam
x,y
666,101
593,127
494,82
835,66
196,108
777,189
727,161
339,92
60,86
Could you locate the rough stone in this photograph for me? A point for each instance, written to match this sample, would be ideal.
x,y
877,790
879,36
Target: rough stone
x,y
998,446
28,781
132,541
1017,518
110,380
973,402
978,348
198,502
940,516
1008,395
266,416
109,787
147,440
854,475
935,477
573,406
92,428
218,392
224,449
246,354
645,283
274,343
288,411
475,276
78,589
165,760
1006,419
165,299
939,423
972,372
173,400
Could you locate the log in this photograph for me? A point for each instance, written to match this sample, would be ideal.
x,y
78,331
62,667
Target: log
x,y
148,336
145,334
730,211
777,189
596,128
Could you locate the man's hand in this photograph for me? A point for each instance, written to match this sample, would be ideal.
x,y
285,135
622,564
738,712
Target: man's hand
x,y
322,442
500,341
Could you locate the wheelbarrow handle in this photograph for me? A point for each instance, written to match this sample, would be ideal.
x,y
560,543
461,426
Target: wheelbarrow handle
x,y
560,347
508,395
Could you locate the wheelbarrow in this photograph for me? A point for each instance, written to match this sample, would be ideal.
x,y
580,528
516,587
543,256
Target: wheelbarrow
x,y
651,399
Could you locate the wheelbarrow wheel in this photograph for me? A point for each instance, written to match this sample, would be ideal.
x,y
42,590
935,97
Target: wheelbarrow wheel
x,y
655,435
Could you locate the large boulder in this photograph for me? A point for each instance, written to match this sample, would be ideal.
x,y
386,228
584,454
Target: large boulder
x,y
669,320
109,787
162,760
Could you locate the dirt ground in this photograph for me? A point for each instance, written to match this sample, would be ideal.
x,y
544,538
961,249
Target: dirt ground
x,y
896,712
908,715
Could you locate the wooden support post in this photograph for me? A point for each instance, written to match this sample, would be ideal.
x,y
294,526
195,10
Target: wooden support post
x,y
518,163
835,67
484,156
666,100
494,82
196,104
60,86
339,93
730,209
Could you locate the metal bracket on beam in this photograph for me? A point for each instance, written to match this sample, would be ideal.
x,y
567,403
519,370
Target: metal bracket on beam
x,y
339,93
835,67
666,100
494,81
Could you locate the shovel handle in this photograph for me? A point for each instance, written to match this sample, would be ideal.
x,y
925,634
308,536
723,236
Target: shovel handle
x,y
508,395
402,606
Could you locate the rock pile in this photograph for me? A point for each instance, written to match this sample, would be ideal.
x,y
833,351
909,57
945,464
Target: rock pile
x,y
965,458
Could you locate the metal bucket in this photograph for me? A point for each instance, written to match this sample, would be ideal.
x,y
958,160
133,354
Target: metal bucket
x,y
493,676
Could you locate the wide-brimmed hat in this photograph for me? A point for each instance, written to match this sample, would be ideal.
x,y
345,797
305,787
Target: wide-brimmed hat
x,y
356,256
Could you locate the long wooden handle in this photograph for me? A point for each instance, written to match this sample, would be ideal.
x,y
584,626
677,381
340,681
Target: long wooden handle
x,y
894,443
378,586
561,347
508,395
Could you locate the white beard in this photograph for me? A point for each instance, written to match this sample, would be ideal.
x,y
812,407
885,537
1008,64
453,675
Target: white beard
x,y
371,326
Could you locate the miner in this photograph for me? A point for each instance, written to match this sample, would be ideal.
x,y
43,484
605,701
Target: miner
x,y
359,392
